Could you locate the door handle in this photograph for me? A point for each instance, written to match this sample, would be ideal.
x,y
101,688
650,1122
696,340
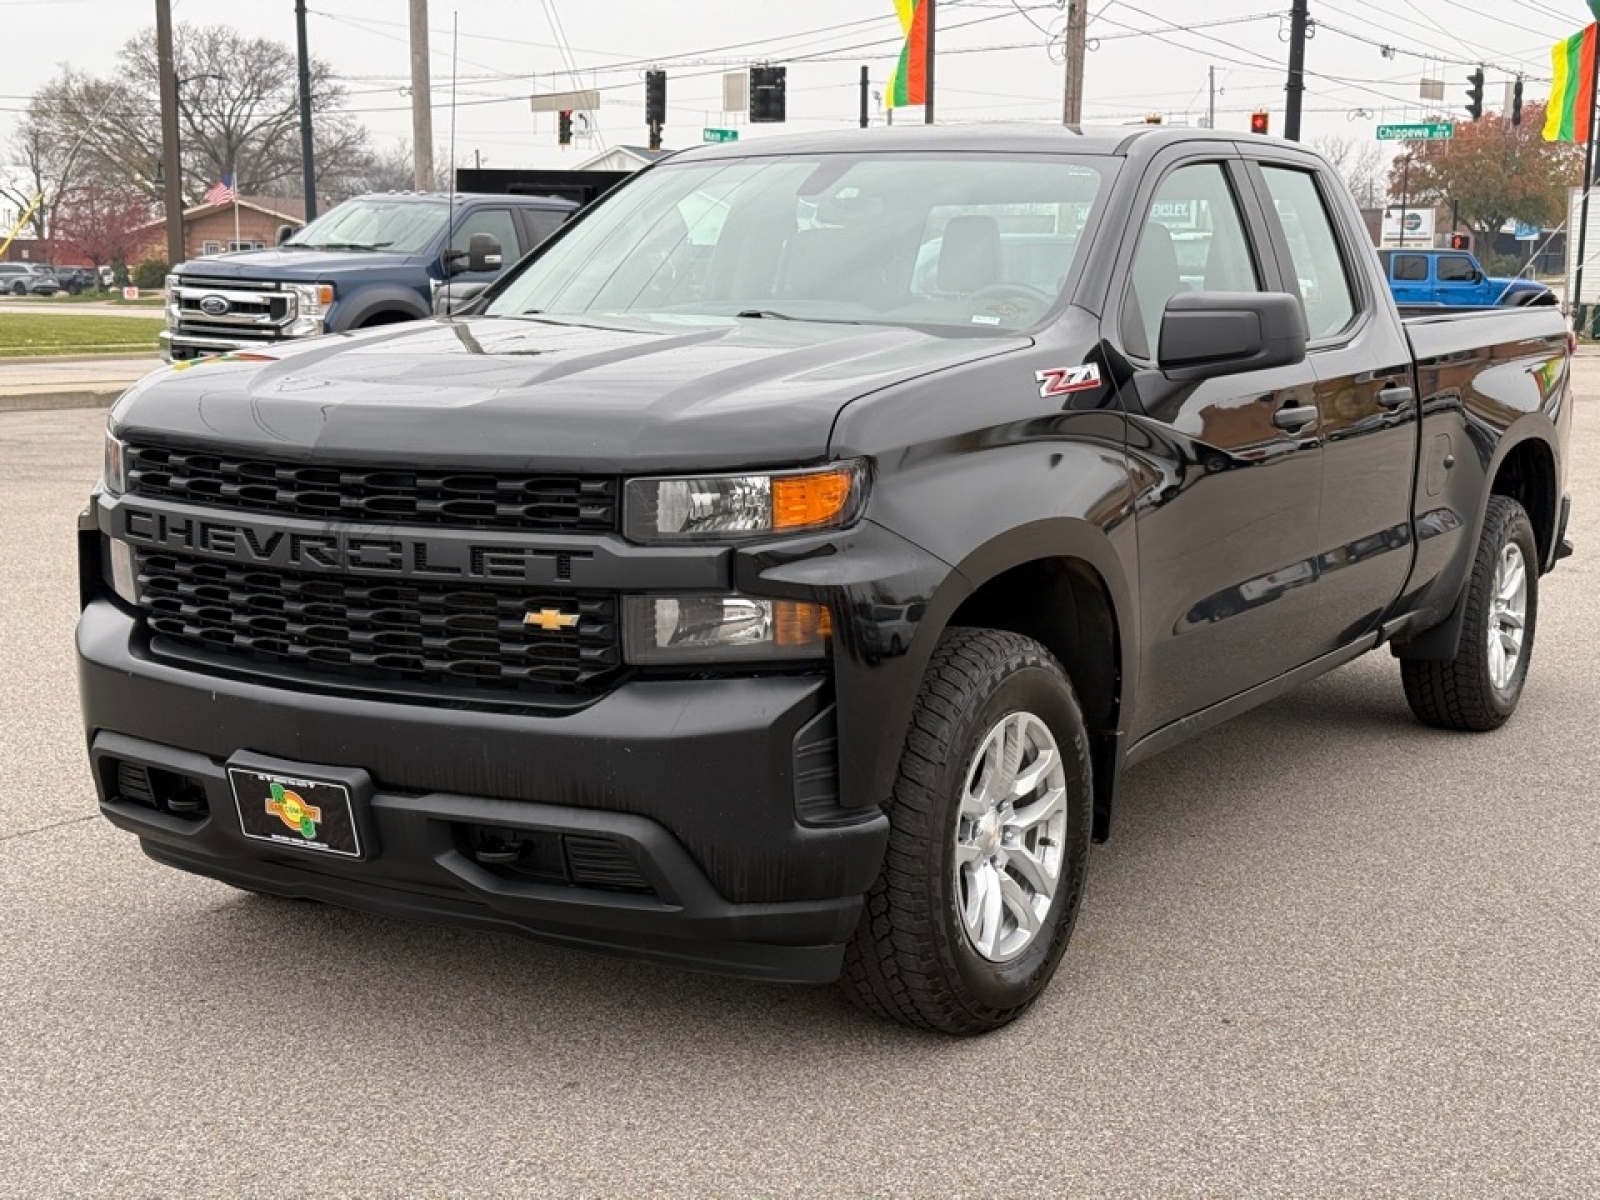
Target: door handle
x,y
1395,397
1294,417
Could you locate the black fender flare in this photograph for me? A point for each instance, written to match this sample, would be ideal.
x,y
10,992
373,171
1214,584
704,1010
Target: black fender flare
x,y
388,297
879,713
1442,641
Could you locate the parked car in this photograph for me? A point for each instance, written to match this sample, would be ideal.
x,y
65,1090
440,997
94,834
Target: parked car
x,y
1423,279
732,600
77,280
43,280
373,260
15,279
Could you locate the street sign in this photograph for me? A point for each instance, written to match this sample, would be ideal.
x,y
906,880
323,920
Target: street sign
x,y
719,135
1426,131
1527,233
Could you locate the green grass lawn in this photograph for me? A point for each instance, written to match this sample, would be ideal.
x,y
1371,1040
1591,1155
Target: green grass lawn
x,y
97,298
26,335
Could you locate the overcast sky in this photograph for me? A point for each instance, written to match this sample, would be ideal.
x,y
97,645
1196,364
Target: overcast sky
x,y
998,68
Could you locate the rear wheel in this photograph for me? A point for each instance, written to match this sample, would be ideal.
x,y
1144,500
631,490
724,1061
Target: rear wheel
x,y
988,845
1478,690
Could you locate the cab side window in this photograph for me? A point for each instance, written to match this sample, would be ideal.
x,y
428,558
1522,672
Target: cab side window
x,y
1454,268
1193,240
1313,250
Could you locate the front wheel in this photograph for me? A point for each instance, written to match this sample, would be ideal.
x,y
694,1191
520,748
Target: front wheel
x,y
1478,690
988,844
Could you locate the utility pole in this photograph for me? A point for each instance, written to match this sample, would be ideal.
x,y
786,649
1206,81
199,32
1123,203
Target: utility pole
x,y
927,107
308,164
421,99
171,163
1299,19
1076,50
866,97
1211,106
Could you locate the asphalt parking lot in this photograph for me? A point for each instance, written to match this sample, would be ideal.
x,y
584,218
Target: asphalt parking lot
x,y
1327,952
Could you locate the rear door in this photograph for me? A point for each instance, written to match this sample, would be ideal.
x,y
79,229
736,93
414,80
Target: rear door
x,y
1368,411
1227,529
1409,277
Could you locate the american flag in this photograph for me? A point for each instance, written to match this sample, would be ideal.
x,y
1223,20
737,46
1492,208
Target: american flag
x,y
221,192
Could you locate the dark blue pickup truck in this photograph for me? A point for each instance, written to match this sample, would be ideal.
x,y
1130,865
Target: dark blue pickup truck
x,y
373,260
1424,278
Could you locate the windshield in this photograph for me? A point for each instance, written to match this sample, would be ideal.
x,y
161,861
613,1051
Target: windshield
x,y
373,223
977,242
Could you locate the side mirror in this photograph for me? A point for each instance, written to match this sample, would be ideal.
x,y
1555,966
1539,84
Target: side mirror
x,y
483,253
1208,334
285,232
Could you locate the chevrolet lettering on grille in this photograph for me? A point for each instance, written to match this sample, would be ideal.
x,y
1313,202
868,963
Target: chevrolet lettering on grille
x,y
330,550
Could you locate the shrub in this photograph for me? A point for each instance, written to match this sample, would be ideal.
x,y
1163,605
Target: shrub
x,y
150,275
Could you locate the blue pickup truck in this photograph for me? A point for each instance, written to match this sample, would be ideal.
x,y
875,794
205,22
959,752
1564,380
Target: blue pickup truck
x,y
373,260
1453,279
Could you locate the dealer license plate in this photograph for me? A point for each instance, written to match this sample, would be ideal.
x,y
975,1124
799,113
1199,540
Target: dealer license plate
x,y
310,814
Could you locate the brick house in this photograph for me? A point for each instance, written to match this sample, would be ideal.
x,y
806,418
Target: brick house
x,y
209,228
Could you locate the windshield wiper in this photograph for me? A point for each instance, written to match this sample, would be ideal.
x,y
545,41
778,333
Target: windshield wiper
x,y
343,245
768,314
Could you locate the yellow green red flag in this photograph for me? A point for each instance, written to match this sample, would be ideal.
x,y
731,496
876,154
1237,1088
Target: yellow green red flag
x,y
908,82
1572,92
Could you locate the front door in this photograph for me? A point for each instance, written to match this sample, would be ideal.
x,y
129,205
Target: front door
x,y
1228,520
1459,283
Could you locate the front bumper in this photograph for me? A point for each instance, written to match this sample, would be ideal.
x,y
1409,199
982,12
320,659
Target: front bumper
x,y
693,780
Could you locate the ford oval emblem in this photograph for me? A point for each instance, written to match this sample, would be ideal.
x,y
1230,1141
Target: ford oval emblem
x,y
215,306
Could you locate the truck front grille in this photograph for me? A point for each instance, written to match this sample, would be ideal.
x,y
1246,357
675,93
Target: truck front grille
x,y
339,628
242,309
377,495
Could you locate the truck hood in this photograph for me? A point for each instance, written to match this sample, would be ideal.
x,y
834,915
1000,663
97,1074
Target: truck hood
x,y
546,394
294,266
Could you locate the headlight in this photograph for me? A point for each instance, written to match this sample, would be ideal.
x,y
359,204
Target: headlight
x,y
312,301
172,299
116,470
665,630
728,507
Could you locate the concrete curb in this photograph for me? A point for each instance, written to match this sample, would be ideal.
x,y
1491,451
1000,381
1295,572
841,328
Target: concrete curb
x,y
84,397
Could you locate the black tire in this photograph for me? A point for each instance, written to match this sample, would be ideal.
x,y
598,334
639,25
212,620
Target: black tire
x,y
1460,693
911,959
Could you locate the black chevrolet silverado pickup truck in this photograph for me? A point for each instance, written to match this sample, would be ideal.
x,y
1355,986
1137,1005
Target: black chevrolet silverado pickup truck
x,y
776,573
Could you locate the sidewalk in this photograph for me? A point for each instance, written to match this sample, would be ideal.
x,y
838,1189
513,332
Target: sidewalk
x,y
27,384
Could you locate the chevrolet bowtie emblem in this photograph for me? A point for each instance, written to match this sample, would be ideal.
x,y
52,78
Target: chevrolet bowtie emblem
x,y
551,619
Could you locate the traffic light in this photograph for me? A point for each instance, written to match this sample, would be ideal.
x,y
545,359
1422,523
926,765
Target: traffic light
x,y
768,94
1475,94
1461,241
1261,123
655,97
564,131
1516,101
655,104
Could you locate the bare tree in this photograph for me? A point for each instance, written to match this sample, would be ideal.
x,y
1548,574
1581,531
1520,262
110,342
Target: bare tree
x,y
238,114
1360,165
394,170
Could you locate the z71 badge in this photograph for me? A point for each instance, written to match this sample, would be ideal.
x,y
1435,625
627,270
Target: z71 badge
x,y
1063,381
